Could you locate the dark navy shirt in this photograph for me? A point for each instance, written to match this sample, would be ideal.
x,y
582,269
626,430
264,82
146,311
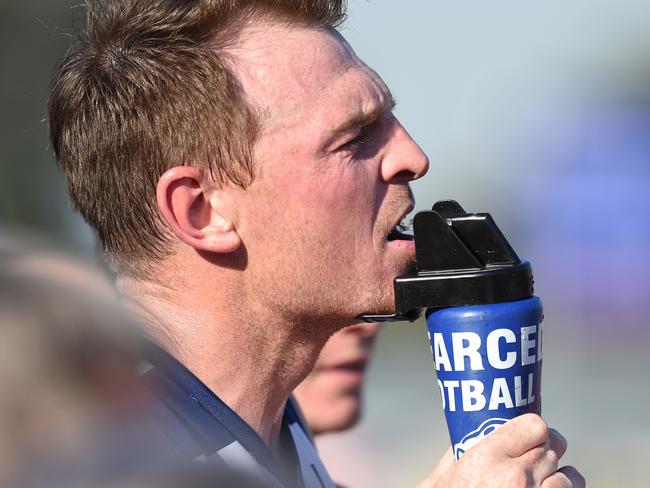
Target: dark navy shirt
x,y
202,428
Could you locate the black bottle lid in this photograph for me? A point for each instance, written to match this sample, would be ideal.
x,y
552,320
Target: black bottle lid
x,y
462,259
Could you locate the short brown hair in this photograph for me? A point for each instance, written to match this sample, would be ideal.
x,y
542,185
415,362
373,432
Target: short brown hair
x,y
147,87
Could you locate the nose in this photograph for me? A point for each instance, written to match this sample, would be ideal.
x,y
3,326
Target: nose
x,y
403,161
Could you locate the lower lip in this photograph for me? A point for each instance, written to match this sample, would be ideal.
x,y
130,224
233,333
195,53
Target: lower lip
x,y
352,376
403,244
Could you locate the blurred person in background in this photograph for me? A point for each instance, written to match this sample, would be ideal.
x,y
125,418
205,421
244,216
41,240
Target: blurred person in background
x,y
74,412
66,271
246,175
331,396
70,402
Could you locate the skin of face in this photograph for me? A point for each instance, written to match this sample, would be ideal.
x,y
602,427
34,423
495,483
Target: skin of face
x,y
331,397
333,168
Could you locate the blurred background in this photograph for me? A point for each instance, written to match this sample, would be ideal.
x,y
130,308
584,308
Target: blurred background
x,y
538,112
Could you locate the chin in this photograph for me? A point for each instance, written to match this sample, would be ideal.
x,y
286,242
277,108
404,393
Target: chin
x,y
382,301
342,422
406,265
331,415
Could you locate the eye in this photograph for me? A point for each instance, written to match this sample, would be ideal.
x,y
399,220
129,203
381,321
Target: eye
x,y
358,141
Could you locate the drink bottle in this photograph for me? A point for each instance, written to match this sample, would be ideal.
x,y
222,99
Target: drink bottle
x,y
483,320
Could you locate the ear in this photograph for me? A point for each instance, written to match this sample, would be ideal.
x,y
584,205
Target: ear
x,y
192,206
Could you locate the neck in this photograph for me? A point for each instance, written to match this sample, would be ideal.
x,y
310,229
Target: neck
x,y
250,359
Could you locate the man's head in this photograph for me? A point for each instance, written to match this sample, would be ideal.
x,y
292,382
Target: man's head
x,y
145,88
240,136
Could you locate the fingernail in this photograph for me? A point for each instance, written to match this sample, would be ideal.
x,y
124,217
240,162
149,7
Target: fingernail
x,y
561,437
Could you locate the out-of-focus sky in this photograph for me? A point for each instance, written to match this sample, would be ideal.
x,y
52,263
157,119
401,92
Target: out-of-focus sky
x,y
473,78
538,112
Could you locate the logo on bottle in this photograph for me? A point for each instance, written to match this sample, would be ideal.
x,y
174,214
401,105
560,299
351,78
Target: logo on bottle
x,y
469,440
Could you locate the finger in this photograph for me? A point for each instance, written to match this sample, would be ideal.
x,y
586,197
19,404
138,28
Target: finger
x,y
517,436
577,480
542,461
566,477
557,442
445,464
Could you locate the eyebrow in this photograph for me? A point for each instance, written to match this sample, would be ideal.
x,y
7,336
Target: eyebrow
x,y
363,119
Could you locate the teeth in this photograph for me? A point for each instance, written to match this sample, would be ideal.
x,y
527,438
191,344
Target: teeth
x,y
405,227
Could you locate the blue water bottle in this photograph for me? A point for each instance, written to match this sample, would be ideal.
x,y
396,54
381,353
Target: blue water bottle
x,y
483,320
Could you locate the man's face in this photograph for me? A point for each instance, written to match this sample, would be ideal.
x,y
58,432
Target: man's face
x,y
330,397
333,168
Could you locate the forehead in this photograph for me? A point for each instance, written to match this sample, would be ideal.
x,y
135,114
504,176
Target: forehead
x,y
305,76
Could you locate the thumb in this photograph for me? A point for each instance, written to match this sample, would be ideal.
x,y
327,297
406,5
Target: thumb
x,y
445,464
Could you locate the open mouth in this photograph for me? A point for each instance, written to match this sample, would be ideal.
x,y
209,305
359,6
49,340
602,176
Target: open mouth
x,y
401,232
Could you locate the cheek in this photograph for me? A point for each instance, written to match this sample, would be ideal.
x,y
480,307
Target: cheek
x,y
345,200
319,213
